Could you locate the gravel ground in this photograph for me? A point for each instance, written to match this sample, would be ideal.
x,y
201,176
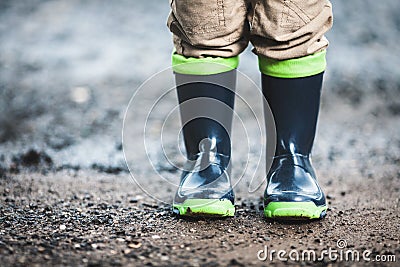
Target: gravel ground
x,y
67,72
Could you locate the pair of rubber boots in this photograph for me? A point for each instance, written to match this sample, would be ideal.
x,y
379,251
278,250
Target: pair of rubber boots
x,y
206,108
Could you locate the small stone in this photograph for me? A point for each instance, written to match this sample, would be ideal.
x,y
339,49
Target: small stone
x,y
41,249
127,251
164,258
94,246
63,227
133,200
135,245
77,246
80,94
235,262
119,239
155,237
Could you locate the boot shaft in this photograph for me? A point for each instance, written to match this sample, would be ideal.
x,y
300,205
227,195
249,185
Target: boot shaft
x,y
206,109
295,106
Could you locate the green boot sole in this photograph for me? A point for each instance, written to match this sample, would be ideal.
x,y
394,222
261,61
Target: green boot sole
x,y
294,210
205,207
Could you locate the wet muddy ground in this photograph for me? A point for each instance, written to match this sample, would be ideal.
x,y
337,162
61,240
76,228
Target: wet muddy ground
x,y
67,72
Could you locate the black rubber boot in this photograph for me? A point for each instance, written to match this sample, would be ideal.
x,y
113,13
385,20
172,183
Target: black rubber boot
x,y
206,108
292,189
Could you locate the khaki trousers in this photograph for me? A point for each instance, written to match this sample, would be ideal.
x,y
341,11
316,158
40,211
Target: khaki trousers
x,y
277,29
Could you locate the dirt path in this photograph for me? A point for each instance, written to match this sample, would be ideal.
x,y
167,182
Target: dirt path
x,y
91,219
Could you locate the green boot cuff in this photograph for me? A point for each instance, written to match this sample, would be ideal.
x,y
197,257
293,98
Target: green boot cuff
x,y
203,66
293,68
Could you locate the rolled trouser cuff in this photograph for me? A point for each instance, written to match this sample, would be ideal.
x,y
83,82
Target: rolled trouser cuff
x,y
293,68
204,65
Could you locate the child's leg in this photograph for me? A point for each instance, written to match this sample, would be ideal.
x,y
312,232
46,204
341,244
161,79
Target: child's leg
x,y
208,36
288,37
203,28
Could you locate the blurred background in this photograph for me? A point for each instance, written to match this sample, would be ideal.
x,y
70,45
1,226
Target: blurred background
x,y
69,67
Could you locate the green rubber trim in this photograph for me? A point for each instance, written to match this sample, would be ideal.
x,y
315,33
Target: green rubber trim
x,y
203,66
299,210
206,207
293,68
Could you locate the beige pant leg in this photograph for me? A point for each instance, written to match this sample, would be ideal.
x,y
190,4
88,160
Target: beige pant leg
x,y
287,29
203,28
